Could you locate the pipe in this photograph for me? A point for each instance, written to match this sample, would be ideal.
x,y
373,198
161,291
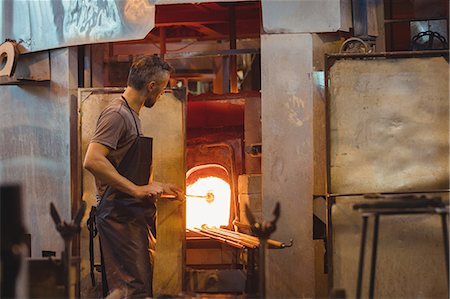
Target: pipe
x,y
233,59
162,41
360,18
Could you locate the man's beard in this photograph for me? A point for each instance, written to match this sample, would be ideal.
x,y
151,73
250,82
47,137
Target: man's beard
x,y
150,101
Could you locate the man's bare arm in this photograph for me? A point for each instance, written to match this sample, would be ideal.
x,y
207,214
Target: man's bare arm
x,y
97,163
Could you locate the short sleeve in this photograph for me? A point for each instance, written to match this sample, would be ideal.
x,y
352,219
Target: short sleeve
x,y
110,126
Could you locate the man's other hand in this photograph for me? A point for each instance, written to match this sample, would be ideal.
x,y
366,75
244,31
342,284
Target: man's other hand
x,y
148,191
157,190
171,189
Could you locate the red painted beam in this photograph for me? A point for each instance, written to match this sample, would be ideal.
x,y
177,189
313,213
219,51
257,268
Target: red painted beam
x,y
195,14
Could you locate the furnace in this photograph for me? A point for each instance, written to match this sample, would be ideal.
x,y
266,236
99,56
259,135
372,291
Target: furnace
x,y
210,202
214,160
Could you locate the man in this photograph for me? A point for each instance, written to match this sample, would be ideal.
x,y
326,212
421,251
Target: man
x,y
120,159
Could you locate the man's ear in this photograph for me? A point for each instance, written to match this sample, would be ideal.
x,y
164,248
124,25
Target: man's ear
x,y
151,85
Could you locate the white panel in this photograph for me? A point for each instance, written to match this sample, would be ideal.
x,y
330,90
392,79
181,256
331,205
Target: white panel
x,y
287,161
304,16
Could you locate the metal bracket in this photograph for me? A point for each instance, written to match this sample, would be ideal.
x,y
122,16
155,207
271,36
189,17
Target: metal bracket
x,y
8,58
24,69
254,150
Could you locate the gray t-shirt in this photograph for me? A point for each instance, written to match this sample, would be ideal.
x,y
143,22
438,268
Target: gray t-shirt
x,y
116,129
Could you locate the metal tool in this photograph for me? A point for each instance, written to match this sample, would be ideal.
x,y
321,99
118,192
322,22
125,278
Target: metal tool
x,y
209,196
263,230
67,232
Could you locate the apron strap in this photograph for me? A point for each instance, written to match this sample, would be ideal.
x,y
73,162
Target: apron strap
x,y
137,130
105,288
131,111
92,227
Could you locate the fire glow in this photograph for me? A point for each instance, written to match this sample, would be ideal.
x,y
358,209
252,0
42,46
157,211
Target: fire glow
x,y
200,211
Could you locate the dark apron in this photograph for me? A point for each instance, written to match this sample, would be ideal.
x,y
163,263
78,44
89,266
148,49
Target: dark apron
x,y
126,226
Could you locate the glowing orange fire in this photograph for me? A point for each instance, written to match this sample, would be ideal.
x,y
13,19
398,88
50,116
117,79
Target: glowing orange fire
x,y
203,211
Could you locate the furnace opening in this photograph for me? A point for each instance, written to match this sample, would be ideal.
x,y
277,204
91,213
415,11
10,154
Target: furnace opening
x,y
208,197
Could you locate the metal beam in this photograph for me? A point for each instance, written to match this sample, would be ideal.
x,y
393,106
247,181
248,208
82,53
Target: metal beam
x,y
207,30
212,53
191,15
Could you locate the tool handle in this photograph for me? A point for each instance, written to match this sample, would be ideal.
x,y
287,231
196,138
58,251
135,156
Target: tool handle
x,y
168,196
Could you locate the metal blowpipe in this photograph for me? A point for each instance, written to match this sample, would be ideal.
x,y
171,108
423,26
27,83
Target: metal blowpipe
x,y
209,196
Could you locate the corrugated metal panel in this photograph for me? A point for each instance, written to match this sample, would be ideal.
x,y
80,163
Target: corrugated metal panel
x,y
34,149
40,25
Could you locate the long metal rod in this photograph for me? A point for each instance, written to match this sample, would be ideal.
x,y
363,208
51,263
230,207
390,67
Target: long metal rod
x,y
330,200
234,240
262,268
67,265
212,53
236,235
232,234
250,287
221,239
362,251
393,212
329,242
399,54
238,238
388,21
374,256
254,240
446,245
391,193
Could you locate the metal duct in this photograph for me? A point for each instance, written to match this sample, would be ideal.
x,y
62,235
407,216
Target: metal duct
x,y
365,20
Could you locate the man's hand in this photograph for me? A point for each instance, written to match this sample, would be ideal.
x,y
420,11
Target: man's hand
x,y
148,191
156,189
174,190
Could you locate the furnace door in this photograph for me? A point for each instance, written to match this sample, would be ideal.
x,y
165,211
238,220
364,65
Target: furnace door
x,y
165,122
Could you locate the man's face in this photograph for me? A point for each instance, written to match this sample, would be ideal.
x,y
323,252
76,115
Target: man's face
x,y
155,90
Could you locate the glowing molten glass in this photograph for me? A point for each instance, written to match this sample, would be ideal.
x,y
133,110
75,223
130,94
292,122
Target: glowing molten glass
x,y
201,211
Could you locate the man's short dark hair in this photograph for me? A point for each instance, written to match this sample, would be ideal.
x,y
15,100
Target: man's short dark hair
x,y
147,68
